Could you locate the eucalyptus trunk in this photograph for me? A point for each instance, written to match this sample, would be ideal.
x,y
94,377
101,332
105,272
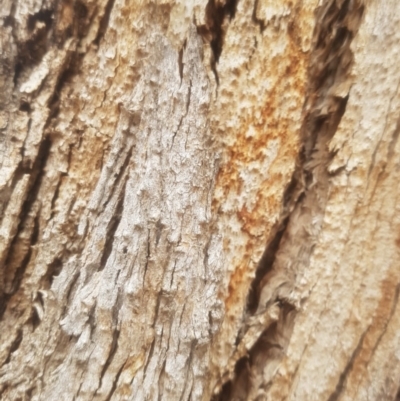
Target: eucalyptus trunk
x,y
199,200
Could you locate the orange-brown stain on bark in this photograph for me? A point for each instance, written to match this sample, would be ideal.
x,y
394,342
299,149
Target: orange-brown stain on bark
x,y
237,277
277,124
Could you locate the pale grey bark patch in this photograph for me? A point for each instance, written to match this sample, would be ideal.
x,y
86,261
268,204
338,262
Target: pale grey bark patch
x,y
135,242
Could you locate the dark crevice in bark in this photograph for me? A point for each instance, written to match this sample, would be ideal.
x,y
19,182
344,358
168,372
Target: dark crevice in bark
x,y
44,15
76,27
113,350
159,227
265,266
160,380
55,196
31,52
116,218
104,22
257,20
70,294
189,95
330,63
119,173
214,30
9,20
82,22
19,272
25,107
70,69
14,272
91,321
115,382
34,319
349,366
147,256
14,345
118,304
228,391
216,15
79,29
180,60
393,142
53,270
37,173
149,356
187,104
391,314
157,308
269,344
4,299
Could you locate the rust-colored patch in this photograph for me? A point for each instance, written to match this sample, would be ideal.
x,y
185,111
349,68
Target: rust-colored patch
x,y
236,278
257,164
271,127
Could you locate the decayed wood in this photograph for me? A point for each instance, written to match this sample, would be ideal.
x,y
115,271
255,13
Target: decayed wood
x,y
199,200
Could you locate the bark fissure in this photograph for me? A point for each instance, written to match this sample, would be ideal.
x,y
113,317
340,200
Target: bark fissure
x,y
256,20
36,174
113,350
116,218
14,345
103,26
331,61
218,16
342,380
115,381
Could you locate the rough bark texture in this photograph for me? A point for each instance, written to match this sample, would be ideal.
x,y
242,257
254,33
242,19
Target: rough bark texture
x,y
199,200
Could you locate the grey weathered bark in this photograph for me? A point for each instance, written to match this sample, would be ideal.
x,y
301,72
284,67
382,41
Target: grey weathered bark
x,y
199,200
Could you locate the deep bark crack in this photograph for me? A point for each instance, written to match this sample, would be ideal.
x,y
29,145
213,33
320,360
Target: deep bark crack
x,y
104,22
215,28
117,215
113,350
343,377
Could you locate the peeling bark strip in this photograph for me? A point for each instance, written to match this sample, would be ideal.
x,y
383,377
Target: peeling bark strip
x,y
198,200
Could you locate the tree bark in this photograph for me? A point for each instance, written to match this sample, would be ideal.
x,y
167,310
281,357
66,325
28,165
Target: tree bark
x,y
199,200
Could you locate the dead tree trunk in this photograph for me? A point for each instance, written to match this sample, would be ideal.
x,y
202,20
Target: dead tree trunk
x,y
199,200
